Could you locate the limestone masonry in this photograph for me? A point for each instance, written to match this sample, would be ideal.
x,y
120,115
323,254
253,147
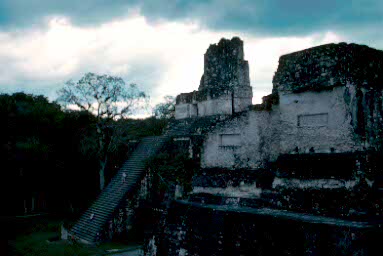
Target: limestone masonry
x,y
327,99
225,85
327,66
299,174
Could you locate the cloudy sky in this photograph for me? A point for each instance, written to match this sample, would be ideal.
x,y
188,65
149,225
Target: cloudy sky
x,y
159,45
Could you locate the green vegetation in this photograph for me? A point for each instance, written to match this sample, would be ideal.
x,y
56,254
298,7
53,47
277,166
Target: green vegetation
x,y
40,238
50,160
38,244
172,167
166,109
47,156
108,99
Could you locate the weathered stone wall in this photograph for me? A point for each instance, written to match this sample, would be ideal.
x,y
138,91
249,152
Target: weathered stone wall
x,y
327,66
225,85
348,80
194,229
219,105
253,147
241,99
366,110
123,219
319,122
225,103
185,110
224,66
305,161
342,119
314,122
325,107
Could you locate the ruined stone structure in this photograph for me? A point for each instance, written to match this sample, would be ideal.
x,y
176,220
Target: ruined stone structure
x,y
225,84
299,174
307,159
326,99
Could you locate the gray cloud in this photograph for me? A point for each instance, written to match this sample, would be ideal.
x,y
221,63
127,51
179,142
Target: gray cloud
x,y
22,13
145,74
273,17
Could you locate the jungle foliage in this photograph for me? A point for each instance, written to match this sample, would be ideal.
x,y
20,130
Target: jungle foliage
x,y
46,161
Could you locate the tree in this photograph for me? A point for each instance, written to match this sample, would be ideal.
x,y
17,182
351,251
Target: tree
x,y
165,109
109,99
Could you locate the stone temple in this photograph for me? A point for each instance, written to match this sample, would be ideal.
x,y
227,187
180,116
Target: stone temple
x,y
299,174
225,85
326,99
312,148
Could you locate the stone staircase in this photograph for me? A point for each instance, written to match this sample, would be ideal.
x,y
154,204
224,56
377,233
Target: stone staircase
x,y
91,223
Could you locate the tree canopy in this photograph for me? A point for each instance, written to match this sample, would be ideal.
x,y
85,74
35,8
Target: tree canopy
x,y
109,99
49,155
104,96
39,149
165,109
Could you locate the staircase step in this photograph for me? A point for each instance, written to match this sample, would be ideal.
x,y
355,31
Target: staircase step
x,y
97,217
86,236
116,191
98,214
95,226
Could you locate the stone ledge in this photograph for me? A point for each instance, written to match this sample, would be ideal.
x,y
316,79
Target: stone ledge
x,y
284,214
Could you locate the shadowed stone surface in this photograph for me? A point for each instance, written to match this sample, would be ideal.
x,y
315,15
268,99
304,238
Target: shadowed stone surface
x,y
304,166
326,66
225,85
224,66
